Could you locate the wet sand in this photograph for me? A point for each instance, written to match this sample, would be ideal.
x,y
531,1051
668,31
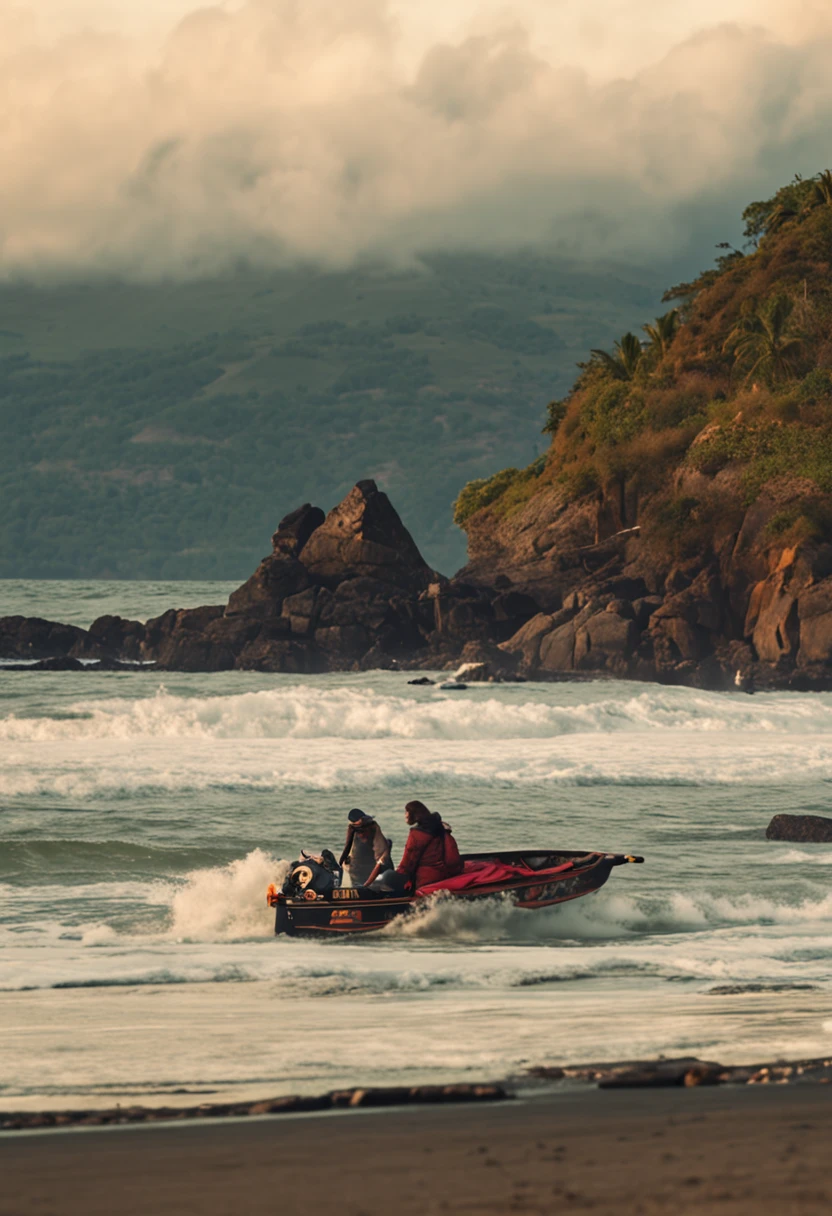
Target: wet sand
x,y
727,1151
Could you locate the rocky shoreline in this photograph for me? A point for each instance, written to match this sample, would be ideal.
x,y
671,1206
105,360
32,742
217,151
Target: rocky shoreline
x,y
559,591
686,1072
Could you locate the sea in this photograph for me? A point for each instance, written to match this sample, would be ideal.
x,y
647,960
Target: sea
x,y
142,816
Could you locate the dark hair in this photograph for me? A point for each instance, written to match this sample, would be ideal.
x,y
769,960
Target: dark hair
x,y
355,816
418,810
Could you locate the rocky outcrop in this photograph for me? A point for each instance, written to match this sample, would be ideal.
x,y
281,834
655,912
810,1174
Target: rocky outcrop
x,y
30,637
349,590
363,537
805,829
550,593
746,611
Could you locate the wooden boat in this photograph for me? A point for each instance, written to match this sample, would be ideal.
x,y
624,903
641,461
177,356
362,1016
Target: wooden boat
x,y
313,903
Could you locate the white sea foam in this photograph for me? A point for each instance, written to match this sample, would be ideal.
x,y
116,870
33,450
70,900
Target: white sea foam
x,y
307,712
222,902
226,902
146,767
822,857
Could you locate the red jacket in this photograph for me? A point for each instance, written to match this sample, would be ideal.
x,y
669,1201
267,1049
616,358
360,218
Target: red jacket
x,y
424,859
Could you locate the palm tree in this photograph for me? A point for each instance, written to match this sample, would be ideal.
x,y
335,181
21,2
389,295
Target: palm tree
x,y
779,216
662,332
623,364
764,341
821,195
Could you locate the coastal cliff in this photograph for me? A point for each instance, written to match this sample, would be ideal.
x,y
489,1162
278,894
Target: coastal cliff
x,y
678,529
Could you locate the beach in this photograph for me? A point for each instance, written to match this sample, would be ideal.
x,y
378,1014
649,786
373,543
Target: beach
x,y
145,816
745,1151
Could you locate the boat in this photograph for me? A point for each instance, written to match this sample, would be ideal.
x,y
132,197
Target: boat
x,y
312,901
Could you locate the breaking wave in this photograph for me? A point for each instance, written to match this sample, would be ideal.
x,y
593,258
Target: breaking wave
x,y
605,917
223,902
306,712
213,926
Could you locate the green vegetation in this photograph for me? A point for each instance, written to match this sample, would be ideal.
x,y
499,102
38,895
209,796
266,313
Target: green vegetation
x,y
765,342
737,377
163,431
509,488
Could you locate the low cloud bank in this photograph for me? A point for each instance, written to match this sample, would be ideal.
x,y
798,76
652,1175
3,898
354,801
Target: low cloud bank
x,y
282,131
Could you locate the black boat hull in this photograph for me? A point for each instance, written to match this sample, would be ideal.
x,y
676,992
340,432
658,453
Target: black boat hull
x,y
553,877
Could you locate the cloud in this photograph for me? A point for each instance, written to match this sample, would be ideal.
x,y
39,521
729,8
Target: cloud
x,y
288,130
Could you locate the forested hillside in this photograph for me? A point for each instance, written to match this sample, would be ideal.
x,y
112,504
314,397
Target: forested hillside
x,y
682,426
162,431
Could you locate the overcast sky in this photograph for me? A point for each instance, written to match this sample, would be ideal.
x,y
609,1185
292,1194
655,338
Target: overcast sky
x,y
164,139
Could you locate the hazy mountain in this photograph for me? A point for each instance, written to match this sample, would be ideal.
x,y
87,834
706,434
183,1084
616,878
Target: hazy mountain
x,y
162,431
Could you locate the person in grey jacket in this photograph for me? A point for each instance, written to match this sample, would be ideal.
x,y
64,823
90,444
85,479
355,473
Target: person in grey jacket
x,y
367,850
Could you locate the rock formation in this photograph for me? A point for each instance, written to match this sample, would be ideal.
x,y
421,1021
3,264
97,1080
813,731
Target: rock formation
x,y
541,598
804,829
349,590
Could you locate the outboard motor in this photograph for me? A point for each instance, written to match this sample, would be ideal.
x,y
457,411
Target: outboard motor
x,y
320,874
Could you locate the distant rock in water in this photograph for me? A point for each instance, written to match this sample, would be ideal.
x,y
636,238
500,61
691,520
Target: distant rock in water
x,y
804,829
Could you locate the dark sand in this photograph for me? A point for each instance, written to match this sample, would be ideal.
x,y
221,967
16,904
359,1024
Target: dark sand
x,y
755,1151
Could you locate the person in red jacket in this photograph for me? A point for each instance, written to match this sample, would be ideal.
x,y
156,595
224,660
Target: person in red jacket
x,y
430,853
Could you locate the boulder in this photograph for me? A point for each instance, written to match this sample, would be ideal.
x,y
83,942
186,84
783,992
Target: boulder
x,y
815,622
772,618
461,612
31,637
683,628
606,641
294,530
112,637
262,596
358,601
275,653
557,649
511,609
675,640
643,609
364,537
483,661
524,645
343,641
62,663
177,641
805,829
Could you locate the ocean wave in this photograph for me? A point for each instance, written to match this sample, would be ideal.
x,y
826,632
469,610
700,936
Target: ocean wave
x,y
20,860
304,711
822,857
606,916
223,902
150,768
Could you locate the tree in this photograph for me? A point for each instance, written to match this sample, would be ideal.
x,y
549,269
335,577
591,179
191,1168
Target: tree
x,y
662,332
623,364
821,195
555,414
767,215
764,341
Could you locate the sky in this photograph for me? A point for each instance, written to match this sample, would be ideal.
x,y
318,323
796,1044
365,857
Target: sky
x,y
168,140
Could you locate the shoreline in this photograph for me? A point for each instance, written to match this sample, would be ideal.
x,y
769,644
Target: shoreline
x,y
688,1072
730,1150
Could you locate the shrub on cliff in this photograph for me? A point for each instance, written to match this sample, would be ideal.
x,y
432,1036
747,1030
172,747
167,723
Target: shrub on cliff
x,y
507,489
